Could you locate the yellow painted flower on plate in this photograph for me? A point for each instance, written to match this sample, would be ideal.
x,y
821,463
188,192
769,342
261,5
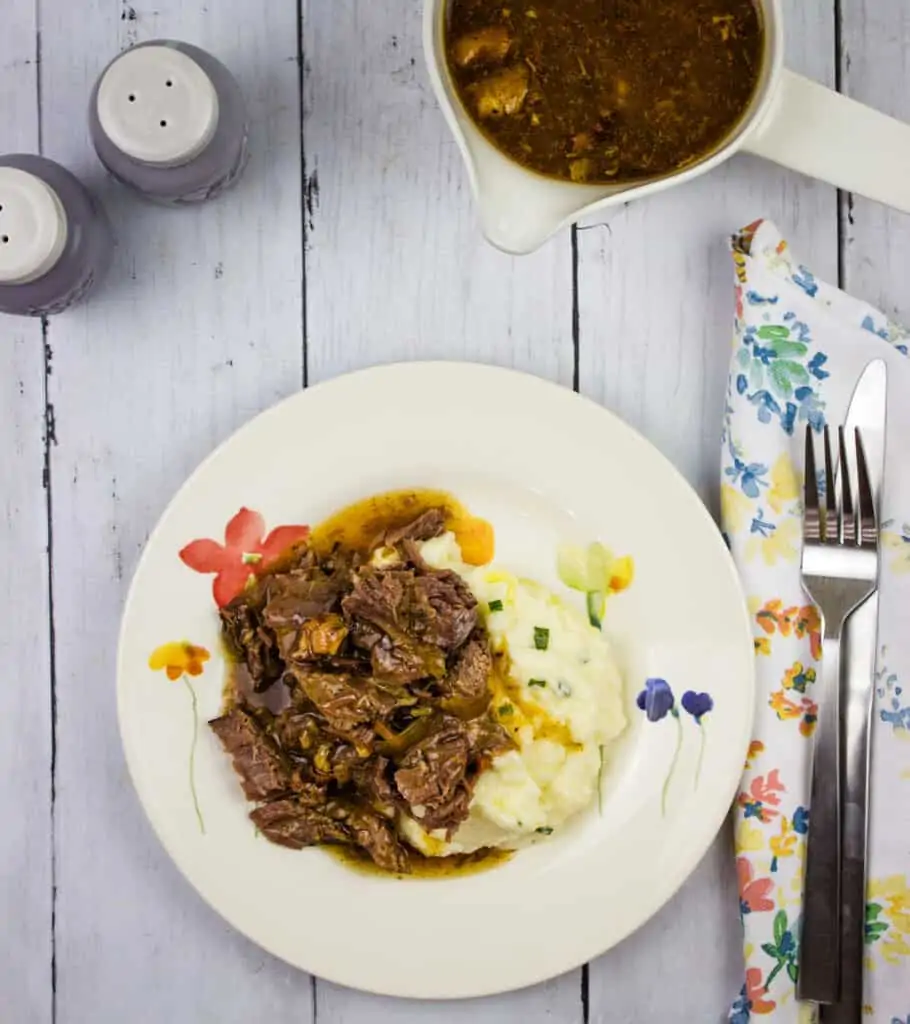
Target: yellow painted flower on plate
x,y
179,658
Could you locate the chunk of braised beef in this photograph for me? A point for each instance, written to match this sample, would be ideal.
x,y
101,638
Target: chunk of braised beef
x,y
374,833
443,610
293,597
469,675
263,772
487,739
250,641
373,779
449,814
427,525
436,607
343,699
377,598
399,658
431,771
296,825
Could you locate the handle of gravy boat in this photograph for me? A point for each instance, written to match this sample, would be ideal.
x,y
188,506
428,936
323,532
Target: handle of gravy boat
x,y
828,136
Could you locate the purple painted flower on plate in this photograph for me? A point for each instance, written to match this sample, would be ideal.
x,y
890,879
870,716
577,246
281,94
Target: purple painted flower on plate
x,y
656,699
697,704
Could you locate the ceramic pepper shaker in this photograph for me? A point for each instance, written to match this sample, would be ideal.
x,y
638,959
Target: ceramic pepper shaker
x,y
55,238
168,120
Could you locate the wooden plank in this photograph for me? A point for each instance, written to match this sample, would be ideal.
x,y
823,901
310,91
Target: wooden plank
x,y
875,41
397,269
396,266
197,328
26,872
556,1002
655,316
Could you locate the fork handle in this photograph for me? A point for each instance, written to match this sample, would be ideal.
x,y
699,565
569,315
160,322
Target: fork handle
x,y
858,694
819,959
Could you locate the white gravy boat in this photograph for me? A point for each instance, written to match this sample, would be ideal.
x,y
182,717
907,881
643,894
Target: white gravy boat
x,y
790,120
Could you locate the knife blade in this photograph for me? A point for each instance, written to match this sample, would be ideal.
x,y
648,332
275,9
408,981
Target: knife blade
x,y
868,414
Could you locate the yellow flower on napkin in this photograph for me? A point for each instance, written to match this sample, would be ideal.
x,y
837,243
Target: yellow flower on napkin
x,y
735,508
774,541
898,542
785,487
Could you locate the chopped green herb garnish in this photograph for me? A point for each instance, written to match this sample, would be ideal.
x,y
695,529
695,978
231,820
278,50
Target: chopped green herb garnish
x,y
537,682
505,709
564,688
495,606
544,830
541,638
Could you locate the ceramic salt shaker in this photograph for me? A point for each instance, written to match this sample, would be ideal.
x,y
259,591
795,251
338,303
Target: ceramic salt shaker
x,y
55,238
168,120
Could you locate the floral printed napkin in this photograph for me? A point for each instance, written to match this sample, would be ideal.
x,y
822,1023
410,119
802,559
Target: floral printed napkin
x,y
799,348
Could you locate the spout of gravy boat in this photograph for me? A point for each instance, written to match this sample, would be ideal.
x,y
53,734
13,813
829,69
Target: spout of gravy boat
x,y
518,209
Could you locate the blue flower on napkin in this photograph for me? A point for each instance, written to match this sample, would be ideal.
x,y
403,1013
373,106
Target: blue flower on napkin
x,y
656,699
801,820
749,475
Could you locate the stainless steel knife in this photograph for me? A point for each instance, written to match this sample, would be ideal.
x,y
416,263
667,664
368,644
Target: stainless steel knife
x,y
867,413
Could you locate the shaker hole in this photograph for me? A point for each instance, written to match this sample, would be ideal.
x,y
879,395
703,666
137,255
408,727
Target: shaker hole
x,y
4,239
169,83
163,124
132,97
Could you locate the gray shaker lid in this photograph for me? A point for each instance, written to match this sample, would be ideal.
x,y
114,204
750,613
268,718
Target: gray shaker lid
x,y
157,105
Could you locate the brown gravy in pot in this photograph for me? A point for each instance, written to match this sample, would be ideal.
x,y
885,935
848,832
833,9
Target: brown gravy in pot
x,y
605,91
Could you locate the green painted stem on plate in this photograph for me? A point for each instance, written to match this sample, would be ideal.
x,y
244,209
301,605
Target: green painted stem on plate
x,y
672,768
189,687
594,604
701,752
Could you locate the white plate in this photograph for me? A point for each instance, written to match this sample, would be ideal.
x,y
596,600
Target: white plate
x,y
544,466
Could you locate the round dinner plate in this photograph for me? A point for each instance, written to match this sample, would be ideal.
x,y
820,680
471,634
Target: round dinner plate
x,y
545,467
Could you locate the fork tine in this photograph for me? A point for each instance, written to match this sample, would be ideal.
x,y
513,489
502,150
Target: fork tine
x,y
868,530
811,522
847,516
831,533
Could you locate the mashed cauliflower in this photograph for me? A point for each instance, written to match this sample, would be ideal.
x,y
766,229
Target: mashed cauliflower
x,y
561,700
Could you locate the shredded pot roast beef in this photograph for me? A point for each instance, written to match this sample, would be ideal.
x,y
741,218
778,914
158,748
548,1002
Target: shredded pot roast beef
x,y
386,708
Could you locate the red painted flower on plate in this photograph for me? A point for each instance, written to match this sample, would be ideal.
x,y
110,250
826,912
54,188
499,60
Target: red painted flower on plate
x,y
246,552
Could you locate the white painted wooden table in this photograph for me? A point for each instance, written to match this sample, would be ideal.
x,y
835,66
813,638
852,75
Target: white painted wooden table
x,y
350,241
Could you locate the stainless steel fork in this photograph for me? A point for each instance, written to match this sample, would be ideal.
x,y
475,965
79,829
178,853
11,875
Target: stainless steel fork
x,y
839,572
